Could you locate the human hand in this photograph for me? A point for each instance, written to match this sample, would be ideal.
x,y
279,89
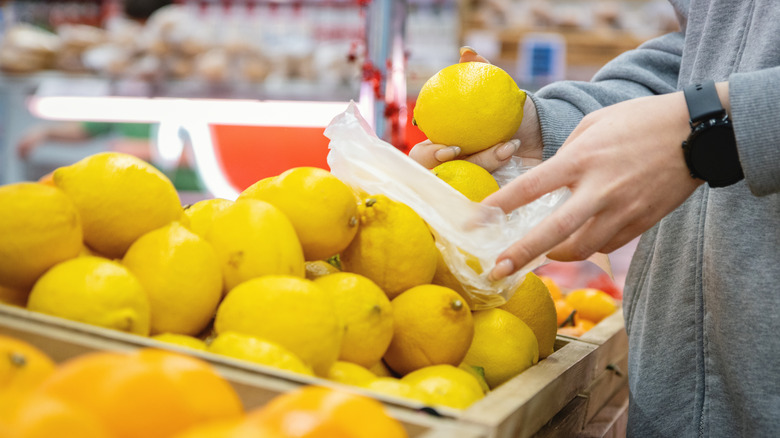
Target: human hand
x,y
430,154
625,168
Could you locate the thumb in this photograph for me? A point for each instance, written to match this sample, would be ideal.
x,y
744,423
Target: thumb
x,y
467,54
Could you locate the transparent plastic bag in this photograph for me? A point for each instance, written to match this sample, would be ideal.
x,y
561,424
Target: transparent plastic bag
x,y
470,235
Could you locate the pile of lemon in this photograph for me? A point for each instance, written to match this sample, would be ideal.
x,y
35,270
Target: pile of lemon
x,y
300,273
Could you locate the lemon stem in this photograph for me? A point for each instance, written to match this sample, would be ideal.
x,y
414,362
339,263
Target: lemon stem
x,y
370,202
456,304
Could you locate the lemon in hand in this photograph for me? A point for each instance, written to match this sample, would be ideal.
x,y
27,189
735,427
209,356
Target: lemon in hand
x,y
181,275
257,350
253,238
290,311
471,180
119,197
472,105
432,326
321,207
95,291
446,385
533,304
39,227
366,313
393,246
503,346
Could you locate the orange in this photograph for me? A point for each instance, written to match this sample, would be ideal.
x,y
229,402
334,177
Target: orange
x,y
22,368
592,304
319,412
41,416
146,393
552,286
578,329
432,325
564,310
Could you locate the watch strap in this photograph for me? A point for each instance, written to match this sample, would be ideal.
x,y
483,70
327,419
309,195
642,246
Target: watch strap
x,y
703,101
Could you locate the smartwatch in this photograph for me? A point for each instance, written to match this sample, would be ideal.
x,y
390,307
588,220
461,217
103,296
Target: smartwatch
x,y
711,149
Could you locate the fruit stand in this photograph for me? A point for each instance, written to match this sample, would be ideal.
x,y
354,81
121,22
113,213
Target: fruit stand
x,y
566,394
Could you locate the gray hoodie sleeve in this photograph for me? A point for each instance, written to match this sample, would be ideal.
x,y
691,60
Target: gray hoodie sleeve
x,y
650,69
754,101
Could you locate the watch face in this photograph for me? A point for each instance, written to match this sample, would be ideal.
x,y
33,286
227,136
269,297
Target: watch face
x,y
713,155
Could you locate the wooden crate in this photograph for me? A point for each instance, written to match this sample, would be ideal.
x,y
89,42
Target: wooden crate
x,y
522,407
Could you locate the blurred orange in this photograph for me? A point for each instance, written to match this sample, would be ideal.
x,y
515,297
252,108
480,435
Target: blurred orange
x,y
146,393
563,310
319,412
578,329
42,416
552,286
22,368
592,304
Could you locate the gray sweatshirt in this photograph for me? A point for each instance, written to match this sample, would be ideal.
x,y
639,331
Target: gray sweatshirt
x,y
702,298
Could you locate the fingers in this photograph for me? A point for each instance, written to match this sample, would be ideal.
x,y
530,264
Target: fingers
x,y
550,232
496,156
467,54
430,154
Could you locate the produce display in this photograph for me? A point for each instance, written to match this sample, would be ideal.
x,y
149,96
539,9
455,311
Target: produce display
x,y
156,393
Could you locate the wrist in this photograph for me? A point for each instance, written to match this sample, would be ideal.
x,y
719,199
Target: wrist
x,y
530,132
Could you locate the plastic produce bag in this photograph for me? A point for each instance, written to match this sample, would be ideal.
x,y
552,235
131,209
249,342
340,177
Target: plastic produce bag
x,y
470,235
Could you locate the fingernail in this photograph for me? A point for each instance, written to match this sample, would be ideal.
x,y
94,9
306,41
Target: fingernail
x,y
465,49
508,149
447,154
501,270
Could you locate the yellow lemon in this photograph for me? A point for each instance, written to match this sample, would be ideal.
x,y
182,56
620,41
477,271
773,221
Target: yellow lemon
x,y
446,385
319,268
503,346
13,297
395,387
350,373
471,180
320,206
119,197
95,291
293,312
533,304
478,373
393,247
253,238
432,326
39,227
381,370
591,304
366,314
473,105
181,275
181,340
257,350
201,214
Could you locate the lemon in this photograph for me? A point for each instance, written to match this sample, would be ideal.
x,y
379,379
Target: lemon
x,y
201,214
290,311
393,247
473,105
350,373
471,180
503,346
432,326
39,227
181,275
257,350
319,268
95,291
181,340
591,304
253,238
446,385
395,387
366,314
119,197
478,373
533,304
444,277
320,206
380,369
